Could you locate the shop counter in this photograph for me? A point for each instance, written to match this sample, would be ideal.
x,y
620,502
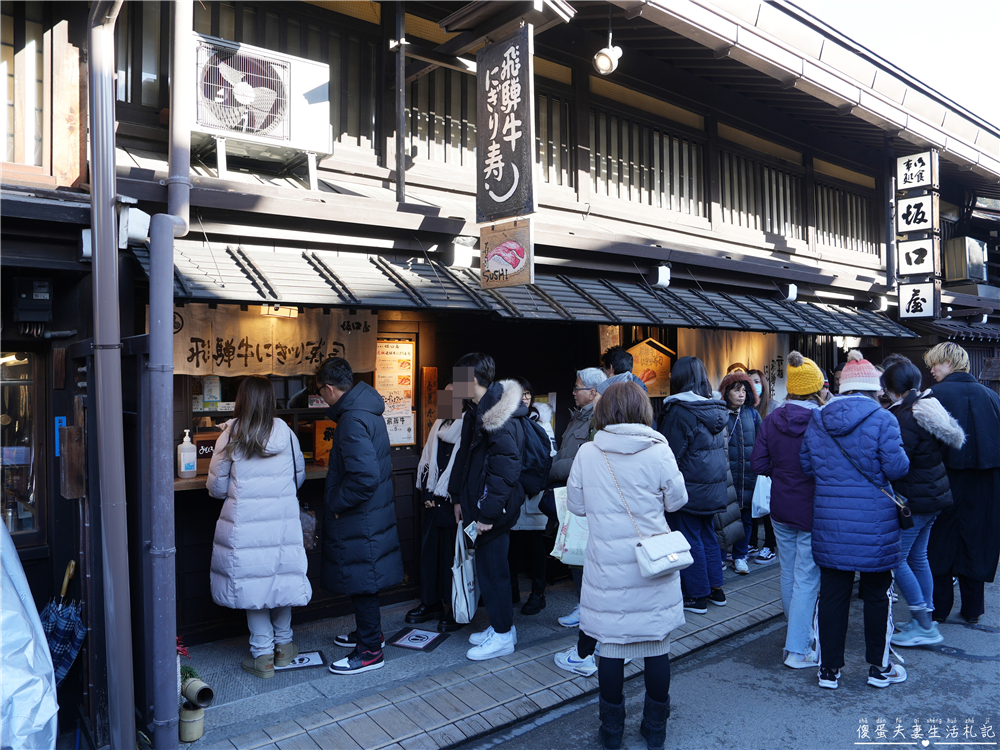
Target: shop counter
x,y
198,482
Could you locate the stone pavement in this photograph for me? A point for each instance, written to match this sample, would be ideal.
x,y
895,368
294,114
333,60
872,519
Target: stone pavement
x,y
438,699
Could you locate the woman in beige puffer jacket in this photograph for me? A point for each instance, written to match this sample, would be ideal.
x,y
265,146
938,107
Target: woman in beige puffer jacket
x,y
631,616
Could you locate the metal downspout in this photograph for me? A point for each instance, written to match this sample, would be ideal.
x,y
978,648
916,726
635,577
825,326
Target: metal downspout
x,y
108,375
163,229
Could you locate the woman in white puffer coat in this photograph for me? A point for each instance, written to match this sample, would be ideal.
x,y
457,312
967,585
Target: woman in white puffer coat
x,y
631,616
258,558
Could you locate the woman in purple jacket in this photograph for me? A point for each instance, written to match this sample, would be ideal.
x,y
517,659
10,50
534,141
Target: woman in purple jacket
x,y
776,455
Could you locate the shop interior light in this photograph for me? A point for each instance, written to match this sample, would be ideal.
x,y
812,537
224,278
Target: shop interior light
x,y
277,311
606,60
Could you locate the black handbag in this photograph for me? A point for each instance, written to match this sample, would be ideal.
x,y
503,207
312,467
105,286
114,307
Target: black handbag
x,y
903,511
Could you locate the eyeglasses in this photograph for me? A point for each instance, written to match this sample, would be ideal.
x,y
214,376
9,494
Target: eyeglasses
x,y
526,396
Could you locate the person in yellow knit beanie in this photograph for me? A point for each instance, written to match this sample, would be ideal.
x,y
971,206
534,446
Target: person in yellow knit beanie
x,y
776,455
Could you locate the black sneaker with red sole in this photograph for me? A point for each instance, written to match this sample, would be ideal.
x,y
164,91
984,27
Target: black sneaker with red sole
x,y
358,661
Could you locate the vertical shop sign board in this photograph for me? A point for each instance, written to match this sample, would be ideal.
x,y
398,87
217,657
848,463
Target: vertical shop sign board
x,y
505,105
429,397
919,300
508,254
918,214
394,366
917,171
651,364
919,257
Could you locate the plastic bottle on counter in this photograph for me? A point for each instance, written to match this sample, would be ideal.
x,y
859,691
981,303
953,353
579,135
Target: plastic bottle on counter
x,y
187,458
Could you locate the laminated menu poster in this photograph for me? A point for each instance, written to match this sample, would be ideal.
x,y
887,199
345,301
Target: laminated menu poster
x,y
394,380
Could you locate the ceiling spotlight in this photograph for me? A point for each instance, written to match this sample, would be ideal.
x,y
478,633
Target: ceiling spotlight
x,y
606,60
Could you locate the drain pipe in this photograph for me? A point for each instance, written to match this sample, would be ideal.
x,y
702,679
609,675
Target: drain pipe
x,y
163,228
108,375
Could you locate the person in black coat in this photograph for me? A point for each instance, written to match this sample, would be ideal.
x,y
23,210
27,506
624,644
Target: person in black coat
x,y
924,426
360,544
743,424
695,427
965,540
485,489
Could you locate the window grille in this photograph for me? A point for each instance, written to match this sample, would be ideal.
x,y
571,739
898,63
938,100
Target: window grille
x,y
553,142
845,219
642,163
760,197
441,118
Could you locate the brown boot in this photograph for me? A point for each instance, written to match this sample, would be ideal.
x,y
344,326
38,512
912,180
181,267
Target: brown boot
x,y
285,654
262,666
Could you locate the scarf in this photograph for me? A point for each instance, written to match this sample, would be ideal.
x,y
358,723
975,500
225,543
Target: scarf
x,y
427,469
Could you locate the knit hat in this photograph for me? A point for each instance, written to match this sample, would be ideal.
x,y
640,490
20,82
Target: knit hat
x,y
804,376
621,377
859,374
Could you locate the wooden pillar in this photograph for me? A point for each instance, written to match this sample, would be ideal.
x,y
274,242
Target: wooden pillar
x,y
712,172
581,124
809,200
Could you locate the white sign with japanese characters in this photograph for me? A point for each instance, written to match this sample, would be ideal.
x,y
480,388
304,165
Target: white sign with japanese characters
x,y
917,171
917,257
505,154
918,214
917,300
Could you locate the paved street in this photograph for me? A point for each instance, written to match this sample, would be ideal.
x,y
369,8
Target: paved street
x,y
736,694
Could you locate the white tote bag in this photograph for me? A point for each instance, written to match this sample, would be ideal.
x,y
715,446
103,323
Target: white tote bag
x,y
761,497
464,591
571,540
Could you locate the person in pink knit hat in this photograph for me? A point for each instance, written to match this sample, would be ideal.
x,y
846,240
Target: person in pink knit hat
x,y
853,449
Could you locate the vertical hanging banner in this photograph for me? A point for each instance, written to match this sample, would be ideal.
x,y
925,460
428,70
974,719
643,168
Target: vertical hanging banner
x,y
917,171
507,254
918,257
505,107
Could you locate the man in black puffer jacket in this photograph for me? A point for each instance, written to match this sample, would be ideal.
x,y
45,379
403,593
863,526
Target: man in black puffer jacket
x,y
484,481
694,426
360,545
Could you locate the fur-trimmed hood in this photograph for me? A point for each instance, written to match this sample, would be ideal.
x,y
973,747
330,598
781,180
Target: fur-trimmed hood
x,y
742,377
934,418
501,401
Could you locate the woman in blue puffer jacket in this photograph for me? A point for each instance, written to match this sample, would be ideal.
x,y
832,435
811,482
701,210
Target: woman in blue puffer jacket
x,y
853,449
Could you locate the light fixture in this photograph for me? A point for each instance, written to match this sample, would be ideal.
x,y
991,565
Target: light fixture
x,y
606,60
277,311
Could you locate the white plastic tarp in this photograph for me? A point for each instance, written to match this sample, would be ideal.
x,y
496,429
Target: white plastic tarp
x,y
28,707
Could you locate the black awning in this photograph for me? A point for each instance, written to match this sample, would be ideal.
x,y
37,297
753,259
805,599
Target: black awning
x,y
204,273
959,330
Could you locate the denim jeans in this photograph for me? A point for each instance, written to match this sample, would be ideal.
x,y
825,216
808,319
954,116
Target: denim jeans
x,y
914,573
705,574
799,586
269,627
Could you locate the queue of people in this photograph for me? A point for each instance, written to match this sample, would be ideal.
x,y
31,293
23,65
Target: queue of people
x,y
907,494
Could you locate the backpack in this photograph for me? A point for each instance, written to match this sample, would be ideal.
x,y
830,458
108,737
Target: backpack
x,y
536,458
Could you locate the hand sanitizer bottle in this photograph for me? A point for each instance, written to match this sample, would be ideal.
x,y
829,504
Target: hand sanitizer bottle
x,y
187,458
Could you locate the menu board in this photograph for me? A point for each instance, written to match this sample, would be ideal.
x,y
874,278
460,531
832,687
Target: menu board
x,y
394,380
651,364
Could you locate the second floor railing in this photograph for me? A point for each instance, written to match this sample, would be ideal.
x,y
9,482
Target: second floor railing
x,y
758,196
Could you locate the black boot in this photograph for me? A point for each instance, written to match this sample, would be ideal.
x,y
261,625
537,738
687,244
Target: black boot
x,y
654,723
612,724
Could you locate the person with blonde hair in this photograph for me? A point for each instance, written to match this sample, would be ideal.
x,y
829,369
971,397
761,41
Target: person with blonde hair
x,y
258,557
624,482
965,539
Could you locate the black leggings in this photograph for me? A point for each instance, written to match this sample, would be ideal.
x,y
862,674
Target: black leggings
x,y
611,678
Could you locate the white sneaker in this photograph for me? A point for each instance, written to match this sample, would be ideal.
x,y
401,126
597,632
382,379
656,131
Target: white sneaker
x,y
741,567
572,620
498,644
477,639
765,556
570,661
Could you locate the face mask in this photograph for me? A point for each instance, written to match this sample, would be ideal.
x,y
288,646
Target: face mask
x,y
758,388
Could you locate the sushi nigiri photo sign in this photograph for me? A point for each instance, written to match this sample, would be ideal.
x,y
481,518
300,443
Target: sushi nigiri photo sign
x,y
507,254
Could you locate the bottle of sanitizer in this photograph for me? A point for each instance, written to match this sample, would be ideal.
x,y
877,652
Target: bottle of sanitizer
x,y
187,458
